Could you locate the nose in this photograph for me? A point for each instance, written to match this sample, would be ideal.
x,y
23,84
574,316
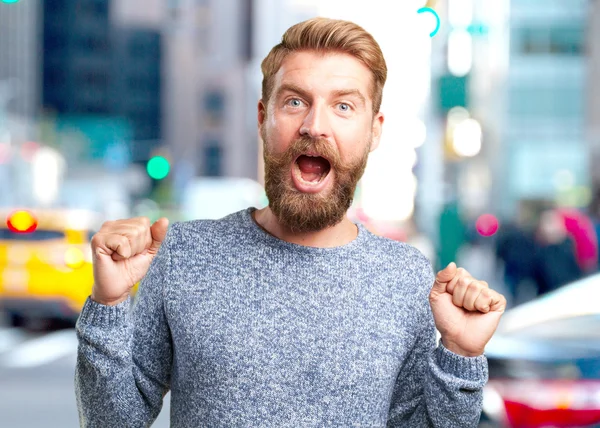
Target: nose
x,y
316,123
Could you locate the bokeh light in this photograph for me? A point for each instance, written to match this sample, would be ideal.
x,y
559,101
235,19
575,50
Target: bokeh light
x,y
158,167
74,257
467,138
21,221
487,225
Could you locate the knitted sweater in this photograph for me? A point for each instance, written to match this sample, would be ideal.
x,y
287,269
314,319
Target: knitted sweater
x,y
247,330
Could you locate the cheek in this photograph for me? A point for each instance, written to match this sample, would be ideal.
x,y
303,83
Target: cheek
x,y
352,141
280,132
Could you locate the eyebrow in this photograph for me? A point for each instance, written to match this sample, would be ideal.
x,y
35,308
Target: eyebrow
x,y
350,92
291,87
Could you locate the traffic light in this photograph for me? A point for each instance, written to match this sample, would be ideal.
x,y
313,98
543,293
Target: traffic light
x,y
158,167
9,1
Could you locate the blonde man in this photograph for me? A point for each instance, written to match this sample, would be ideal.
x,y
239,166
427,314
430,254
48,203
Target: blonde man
x,y
292,315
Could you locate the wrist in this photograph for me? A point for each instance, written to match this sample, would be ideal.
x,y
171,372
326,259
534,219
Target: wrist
x,y
458,350
108,302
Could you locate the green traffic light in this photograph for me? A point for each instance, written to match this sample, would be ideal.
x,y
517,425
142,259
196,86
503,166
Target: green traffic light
x,y
158,167
10,1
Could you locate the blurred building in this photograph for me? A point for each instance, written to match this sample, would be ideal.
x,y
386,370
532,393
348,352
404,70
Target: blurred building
x,y
136,87
20,57
593,100
101,80
465,120
544,144
518,68
77,57
207,102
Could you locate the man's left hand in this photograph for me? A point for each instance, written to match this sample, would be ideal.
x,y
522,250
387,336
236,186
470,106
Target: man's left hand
x,y
466,311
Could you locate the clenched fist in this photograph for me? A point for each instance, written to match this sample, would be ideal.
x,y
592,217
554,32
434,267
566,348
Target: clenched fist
x,y
122,251
466,311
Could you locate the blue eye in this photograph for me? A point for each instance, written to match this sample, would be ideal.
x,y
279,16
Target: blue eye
x,y
295,102
344,107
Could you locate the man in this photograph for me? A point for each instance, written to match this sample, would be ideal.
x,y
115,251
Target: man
x,y
291,315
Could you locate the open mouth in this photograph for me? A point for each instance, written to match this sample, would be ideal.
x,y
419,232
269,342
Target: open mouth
x,y
311,169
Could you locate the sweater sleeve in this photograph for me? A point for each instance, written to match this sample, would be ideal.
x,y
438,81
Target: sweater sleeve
x,y
124,355
436,387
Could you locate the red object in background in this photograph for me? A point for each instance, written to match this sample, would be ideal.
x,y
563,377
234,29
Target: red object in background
x,y
520,415
487,225
581,229
21,221
28,150
550,403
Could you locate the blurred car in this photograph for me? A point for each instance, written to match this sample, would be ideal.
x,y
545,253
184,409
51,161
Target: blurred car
x,y
45,263
544,361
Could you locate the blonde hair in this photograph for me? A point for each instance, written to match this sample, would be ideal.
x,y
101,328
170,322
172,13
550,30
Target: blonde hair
x,y
326,35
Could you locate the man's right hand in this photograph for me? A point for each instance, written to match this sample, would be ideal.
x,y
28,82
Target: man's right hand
x,y
122,251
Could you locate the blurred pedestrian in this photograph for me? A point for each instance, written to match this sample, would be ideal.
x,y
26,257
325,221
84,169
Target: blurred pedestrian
x,y
515,248
582,231
555,259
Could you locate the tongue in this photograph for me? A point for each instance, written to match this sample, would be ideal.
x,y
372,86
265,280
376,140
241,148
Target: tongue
x,y
312,168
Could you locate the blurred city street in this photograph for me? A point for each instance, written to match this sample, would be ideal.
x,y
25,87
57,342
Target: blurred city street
x,y
488,157
37,377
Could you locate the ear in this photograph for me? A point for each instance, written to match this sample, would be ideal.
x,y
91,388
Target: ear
x,y
262,113
377,129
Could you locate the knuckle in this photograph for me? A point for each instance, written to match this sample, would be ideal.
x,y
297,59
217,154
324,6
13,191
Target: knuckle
x,y
107,224
474,286
486,294
141,229
96,240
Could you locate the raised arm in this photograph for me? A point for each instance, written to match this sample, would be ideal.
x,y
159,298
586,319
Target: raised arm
x,y
124,356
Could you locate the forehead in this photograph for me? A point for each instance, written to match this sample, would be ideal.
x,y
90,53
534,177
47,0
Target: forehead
x,y
324,72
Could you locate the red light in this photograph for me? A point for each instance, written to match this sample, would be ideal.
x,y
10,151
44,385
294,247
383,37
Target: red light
x,y
487,225
21,222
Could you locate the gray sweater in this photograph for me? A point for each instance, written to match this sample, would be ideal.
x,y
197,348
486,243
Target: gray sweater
x,y
247,330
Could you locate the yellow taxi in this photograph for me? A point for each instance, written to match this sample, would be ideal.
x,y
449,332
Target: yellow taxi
x,y
45,263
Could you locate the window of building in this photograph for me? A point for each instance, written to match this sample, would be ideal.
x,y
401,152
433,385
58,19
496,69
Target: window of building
x,y
561,39
92,8
557,101
54,7
567,40
247,28
54,76
92,43
213,154
214,105
54,41
138,49
93,78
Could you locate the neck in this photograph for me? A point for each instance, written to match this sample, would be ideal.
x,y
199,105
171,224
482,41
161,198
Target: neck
x,y
341,234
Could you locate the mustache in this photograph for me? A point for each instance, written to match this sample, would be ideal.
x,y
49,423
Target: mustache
x,y
318,146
